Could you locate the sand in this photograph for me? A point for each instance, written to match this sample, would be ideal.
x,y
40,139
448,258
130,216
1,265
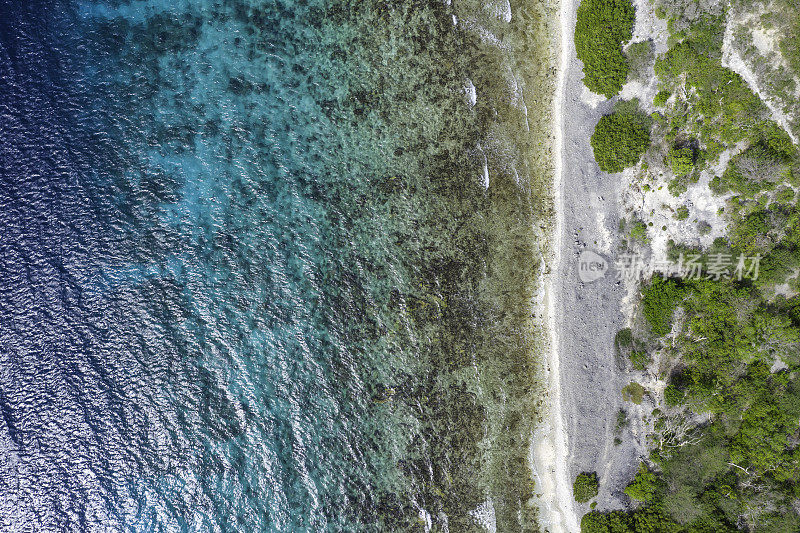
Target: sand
x,y
550,443
584,376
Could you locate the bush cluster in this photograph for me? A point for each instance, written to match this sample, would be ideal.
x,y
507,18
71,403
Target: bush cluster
x,y
740,469
603,26
660,298
730,337
633,392
585,487
681,160
619,140
713,104
760,167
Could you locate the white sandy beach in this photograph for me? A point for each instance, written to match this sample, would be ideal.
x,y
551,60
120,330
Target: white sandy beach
x,y
550,444
582,373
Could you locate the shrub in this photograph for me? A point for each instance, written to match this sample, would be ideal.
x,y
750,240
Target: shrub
x,y
639,359
660,298
777,265
673,395
619,140
622,420
683,505
750,233
644,486
639,232
585,487
785,195
602,27
629,348
718,186
624,339
778,142
661,98
677,186
641,58
680,160
633,392
682,213
757,169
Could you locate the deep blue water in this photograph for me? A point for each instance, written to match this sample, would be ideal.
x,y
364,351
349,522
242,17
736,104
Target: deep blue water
x,y
247,279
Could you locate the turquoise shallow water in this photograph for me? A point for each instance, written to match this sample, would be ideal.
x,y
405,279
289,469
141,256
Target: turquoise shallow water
x,y
253,279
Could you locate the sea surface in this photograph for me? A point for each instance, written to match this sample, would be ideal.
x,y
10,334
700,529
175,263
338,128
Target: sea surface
x,y
270,265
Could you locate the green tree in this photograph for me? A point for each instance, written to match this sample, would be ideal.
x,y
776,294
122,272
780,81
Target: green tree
x,y
660,298
619,140
602,27
644,486
681,160
585,487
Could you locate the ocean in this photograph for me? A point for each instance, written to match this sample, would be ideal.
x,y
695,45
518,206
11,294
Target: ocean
x,y
271,265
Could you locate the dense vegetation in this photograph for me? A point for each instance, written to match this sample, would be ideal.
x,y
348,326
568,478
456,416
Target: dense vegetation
x,y
790,43
602,27
659,302
681,160
725,424
585,486
742,465
713,104
763,213
726,431
620,139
